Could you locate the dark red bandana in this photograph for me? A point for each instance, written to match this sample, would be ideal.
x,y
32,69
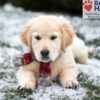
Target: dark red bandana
x,y
44,67
28,58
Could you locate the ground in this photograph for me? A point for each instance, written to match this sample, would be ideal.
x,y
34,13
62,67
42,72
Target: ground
x,y
11,21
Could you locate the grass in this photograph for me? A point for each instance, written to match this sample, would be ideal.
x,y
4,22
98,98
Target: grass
x,y
93,91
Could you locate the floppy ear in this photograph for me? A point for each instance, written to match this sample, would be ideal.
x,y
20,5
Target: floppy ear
x,y
67,34
26,36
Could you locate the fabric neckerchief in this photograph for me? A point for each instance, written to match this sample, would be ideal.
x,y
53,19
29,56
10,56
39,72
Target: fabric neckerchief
x,y
27,58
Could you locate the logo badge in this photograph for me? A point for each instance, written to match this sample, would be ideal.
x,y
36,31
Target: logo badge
x,y
91,9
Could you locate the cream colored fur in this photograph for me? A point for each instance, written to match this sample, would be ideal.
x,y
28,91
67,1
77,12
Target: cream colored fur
x,y
63,51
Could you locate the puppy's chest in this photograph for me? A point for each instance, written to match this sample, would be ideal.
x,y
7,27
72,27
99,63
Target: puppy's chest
x,y
35,68
56,68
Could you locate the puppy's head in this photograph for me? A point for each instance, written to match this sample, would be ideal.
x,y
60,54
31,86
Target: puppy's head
x,y
47,37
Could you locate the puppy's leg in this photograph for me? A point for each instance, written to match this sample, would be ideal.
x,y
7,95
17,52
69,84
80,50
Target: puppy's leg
x,y
68,78
26,79
68,73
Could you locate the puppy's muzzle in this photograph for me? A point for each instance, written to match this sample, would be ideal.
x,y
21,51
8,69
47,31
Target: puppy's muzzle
x,y
45,54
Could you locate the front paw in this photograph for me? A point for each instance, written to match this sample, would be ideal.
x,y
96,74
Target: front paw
x,y
70,83
27,84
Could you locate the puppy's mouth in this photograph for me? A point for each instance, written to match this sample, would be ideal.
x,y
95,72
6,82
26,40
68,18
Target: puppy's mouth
x,y
46,59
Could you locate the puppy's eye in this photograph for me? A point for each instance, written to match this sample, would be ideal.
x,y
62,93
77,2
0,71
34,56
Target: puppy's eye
x,y
53,37
38,38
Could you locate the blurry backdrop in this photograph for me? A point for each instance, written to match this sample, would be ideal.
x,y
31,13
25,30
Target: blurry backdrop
x,y
66,6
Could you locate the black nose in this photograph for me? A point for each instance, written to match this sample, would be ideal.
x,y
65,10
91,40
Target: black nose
x,y
45,53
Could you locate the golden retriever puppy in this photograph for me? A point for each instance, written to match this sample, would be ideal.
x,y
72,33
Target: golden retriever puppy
x,y
57,37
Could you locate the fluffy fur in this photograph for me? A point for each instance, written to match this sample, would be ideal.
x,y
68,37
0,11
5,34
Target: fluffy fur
x,y
63,50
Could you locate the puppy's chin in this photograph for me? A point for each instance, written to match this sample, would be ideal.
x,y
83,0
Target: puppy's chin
x,y
39,59
44,60
47,59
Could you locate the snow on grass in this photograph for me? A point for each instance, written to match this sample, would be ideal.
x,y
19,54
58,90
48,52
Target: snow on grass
x,y
11,21
92,70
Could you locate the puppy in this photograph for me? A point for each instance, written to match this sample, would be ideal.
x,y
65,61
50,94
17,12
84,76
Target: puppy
x,y
56,36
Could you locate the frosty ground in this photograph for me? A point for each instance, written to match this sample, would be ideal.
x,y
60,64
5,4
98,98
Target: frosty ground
x,y
11,21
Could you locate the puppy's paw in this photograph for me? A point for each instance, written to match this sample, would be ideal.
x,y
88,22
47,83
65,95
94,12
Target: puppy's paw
x,y
71,83
27,84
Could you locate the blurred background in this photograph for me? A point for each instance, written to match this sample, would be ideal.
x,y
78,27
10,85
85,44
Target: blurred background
x,y
66,6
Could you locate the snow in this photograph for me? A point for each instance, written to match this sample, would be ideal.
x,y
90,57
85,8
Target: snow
x,y
92,70
57,92
11,21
